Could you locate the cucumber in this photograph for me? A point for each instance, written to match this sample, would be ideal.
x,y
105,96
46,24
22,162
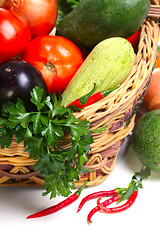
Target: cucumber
x,y
95,20
107,65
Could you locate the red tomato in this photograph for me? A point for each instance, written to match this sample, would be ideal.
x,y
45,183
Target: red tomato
x,y
57,58
41,15
15,35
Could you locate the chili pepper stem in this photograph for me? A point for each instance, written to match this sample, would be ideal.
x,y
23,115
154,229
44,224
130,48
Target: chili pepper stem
x,y
83,100
120,190
106,92
78,192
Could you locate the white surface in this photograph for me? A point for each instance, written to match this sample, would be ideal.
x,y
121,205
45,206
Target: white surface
x,y
141,221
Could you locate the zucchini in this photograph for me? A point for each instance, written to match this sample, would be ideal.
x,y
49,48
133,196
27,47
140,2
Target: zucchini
x,y
107,65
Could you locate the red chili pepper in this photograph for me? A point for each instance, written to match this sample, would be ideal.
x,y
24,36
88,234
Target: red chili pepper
x,y
60,205
134,39
106,203
121,208
130,194
91,98
99,194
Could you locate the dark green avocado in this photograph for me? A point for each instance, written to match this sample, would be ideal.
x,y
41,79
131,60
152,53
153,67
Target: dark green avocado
x,y
146,140
95,20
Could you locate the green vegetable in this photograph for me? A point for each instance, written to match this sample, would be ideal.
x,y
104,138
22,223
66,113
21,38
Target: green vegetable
x,y
41,131
146,140
108,65
158,49
95,20
65,7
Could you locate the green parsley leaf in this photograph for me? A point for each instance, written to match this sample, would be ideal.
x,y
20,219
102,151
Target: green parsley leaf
x,y
41,132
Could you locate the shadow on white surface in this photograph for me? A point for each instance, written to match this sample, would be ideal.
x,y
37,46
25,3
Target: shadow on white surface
x,y
138,222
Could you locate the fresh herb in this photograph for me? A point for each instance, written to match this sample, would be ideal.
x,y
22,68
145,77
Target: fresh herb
x,y
41,132
65,7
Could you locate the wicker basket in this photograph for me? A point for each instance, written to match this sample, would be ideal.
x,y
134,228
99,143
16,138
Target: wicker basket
x,y
117,110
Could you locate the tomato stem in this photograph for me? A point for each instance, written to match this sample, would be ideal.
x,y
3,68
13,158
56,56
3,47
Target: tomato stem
x,y
49,68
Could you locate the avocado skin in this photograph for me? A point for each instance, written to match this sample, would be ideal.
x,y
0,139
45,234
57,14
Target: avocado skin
x,y
146,140
95,20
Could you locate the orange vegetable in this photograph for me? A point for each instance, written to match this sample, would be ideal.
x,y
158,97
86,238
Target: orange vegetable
x,y
151,100
158,61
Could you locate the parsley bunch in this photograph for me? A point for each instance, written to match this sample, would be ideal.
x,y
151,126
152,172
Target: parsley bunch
x,y
41,131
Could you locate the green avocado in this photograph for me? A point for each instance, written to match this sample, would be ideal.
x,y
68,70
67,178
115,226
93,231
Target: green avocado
x,y
146,140
95,20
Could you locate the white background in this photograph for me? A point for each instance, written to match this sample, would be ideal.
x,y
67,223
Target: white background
x,y
141,221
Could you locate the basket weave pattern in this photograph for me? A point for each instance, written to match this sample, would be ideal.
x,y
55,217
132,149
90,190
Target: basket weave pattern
x,y
116,111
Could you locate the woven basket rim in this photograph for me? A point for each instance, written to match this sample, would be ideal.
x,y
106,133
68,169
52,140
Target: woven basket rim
x,y
114,110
